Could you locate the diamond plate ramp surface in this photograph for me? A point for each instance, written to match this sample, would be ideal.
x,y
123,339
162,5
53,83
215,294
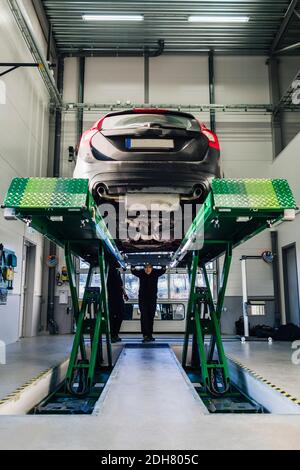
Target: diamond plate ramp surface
x,y
253,193
45,193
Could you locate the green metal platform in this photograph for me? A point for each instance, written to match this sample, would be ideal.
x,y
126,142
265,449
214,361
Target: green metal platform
x,y
235,210
64,211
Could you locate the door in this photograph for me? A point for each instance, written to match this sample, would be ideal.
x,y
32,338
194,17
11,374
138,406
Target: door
x,y
291,288
28,277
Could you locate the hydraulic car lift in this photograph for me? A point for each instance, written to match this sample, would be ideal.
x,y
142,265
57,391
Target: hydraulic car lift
x,y
233,212
65,212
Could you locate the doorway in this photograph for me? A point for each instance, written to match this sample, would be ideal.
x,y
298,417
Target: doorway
x,y
291,287
28,277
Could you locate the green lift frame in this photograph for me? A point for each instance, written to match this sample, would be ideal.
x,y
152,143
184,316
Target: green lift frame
x,y
203,318
95,322
233,212
65,212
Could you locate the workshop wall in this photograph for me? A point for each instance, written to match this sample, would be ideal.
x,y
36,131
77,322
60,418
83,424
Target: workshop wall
x,y
284,167
24,121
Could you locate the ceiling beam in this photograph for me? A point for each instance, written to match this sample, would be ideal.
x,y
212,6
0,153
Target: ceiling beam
x,y
45,25
297,14
289,48
283,27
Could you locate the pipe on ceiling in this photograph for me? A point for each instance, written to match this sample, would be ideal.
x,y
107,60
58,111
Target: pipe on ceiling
x,y
155,52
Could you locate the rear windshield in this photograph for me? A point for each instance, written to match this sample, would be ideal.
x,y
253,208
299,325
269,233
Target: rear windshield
x,y
124,121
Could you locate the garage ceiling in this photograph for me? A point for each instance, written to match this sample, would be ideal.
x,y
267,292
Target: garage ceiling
x,y
168,20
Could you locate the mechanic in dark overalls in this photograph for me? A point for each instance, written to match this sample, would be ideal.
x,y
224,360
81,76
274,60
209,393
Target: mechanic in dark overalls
x,y
115,296
148,298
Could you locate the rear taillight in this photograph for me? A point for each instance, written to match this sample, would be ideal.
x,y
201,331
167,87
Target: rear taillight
x,y
212,137
89,134
98,124
84,149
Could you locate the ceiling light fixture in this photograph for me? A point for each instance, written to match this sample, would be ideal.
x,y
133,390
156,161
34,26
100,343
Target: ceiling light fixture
x,y
112,17
218,19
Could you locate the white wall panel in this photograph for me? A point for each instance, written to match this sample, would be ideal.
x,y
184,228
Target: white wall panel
x,y
179,80
287,165
259,274
69,138
246,142
241,79
109,79
24,123
70,92
69,125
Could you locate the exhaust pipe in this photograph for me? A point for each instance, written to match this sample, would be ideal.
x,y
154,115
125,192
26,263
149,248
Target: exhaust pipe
x,y
100,191
199,192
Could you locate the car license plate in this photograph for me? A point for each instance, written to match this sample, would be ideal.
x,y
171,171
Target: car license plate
x,y
149,143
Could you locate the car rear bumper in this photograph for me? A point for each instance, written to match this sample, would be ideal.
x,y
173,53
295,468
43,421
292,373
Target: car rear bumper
x,y
177,177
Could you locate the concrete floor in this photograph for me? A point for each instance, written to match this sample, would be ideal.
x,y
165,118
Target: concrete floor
x,y
271,361
29,357
149,405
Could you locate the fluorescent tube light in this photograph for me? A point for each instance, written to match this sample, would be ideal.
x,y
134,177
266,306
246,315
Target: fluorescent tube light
x,y
218,19
112,17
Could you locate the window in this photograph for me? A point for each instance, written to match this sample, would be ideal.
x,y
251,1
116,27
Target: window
x,y
211,269
82,282
96,280
172,293
83,273
131,286
165,311
170,311
162,287
83,264
179,286
135,120
200,281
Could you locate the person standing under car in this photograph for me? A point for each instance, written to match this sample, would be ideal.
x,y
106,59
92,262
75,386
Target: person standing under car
x,y
116,306
148,297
